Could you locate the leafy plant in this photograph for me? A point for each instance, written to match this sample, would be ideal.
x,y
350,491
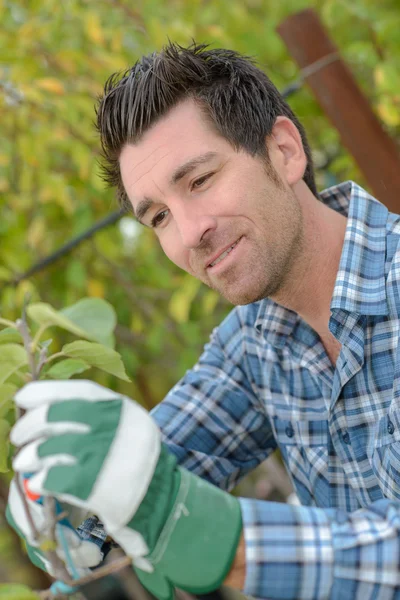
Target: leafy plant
x,y
25,356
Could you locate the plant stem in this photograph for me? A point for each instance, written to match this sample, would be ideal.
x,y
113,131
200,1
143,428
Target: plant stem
x,y
24,331
58,568
7,323
38,335
53,356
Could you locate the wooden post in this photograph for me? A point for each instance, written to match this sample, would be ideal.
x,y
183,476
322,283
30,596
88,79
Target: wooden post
x,y
345,105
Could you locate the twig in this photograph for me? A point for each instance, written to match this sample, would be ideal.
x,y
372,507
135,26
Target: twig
x,y
58,568
54,356
42,358
113,567
57,565
38,335
34,532
66,248
134,15
7,323
99,573
22,327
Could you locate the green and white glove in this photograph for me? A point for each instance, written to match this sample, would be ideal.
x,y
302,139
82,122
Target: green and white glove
x,y
83,553
102,452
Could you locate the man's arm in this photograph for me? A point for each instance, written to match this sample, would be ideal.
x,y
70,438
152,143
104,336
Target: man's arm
x,y
212,420
237,574
299,552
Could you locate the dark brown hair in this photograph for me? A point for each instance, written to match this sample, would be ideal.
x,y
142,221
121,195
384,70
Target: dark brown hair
x,y
238,99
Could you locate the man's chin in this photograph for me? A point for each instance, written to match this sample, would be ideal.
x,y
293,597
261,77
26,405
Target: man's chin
x,y
241,297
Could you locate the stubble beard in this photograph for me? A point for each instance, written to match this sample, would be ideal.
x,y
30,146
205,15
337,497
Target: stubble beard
x,y
270,270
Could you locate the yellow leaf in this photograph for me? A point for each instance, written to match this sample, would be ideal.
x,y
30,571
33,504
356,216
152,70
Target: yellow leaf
x,y
388,113
137,324
4,160
116,41
210,301
93,29
95,288
379,75
50,84
60,133
67,60
4,185
216,31
36,232
181,300
46,194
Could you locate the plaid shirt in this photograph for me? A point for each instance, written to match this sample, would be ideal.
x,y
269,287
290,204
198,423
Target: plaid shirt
x,y
265,380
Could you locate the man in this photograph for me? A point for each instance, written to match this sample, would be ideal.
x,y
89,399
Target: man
x,y
203,148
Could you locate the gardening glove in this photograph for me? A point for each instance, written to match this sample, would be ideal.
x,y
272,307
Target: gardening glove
x,y
102,452
82,553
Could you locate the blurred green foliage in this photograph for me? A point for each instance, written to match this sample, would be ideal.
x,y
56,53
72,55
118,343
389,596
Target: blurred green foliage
x,y
55,58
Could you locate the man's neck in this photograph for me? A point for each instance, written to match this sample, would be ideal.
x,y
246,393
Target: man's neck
x,y
309,289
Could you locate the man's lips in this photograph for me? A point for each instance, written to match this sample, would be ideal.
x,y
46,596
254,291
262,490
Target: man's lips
x,y
221,254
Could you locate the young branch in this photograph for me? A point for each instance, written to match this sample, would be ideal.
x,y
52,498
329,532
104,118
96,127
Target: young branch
x,y
47,538
7,323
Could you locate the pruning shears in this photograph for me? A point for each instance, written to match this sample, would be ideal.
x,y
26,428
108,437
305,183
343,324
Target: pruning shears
x,y
109,586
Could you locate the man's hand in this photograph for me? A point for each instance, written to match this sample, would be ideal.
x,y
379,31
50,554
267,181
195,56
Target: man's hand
x,y
102,452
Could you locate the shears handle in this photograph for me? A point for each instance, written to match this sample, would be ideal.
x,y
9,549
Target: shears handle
x,y
39,500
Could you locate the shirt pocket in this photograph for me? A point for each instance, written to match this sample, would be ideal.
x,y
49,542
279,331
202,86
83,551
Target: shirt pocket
x,y
386,454
304,449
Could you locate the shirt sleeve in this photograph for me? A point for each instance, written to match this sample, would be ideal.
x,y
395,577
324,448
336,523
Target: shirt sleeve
x,y
306,553
212,420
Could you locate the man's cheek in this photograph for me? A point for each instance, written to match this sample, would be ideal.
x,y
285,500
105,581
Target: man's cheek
x,y
176,253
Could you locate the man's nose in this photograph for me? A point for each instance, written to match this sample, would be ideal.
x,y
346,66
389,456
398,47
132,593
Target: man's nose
x,y
194,226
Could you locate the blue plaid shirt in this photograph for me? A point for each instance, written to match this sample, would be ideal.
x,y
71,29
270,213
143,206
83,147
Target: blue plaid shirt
x,y
265,380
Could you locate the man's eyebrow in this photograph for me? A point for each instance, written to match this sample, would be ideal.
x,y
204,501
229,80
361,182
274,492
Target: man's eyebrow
x,y
142,208
176,176
190,165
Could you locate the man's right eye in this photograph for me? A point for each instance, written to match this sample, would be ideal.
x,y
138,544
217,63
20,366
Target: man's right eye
x,y
159,218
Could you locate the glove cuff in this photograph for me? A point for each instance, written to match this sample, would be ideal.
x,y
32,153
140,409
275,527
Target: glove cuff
x,y
198,542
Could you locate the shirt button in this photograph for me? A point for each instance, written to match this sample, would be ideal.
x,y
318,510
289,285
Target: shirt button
x,y
390,427
289,431
346,438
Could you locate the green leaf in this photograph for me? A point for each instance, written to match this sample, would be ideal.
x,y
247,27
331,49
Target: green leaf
x,y
90,318
4,445
94,316
66,368
14,591
98,356
10,336
46,343
7,393
44,314
12,358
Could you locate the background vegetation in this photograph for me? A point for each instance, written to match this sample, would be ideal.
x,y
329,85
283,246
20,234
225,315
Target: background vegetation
x,y
55,57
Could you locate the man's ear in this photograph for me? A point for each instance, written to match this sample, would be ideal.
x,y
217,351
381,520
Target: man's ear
x,y
286,150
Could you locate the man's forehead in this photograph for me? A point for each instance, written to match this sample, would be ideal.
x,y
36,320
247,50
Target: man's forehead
x,y
136,162
181,132
163,165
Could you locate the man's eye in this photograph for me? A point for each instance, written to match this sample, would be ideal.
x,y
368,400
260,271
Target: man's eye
x,y
159,218
197,183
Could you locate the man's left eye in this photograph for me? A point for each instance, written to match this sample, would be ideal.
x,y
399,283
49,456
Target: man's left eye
x,y
197,183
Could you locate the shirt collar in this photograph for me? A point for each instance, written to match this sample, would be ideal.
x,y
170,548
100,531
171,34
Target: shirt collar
x,y
360,285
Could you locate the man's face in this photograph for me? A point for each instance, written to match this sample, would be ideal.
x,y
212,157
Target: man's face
x,y
217,212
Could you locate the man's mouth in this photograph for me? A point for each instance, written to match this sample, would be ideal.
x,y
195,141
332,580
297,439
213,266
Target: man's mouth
x,y
223,255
